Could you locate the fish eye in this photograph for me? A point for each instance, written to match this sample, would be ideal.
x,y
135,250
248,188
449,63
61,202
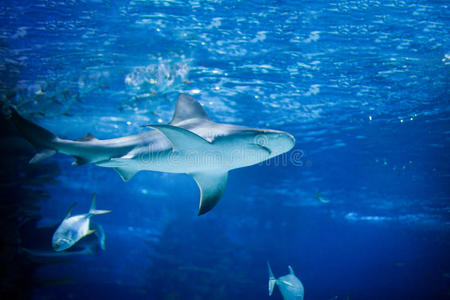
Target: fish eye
x,y
261,140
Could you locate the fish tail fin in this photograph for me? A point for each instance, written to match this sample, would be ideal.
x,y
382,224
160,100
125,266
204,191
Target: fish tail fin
x,y
272,280
101,237
41,138
93,211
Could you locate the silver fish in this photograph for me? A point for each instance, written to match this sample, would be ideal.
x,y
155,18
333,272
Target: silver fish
x,y
74,228
290,286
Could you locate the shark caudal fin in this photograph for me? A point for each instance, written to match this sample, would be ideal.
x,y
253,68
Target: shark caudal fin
x,y
46,142
272,280
93,211
39,137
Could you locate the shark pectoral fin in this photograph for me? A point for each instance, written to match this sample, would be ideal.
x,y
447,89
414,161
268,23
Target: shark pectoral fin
x,y
44,154
180,137
125,173
212,185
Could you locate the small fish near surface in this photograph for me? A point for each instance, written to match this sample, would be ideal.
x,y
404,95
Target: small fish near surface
x,y
290,286
74,228
191,143
321,198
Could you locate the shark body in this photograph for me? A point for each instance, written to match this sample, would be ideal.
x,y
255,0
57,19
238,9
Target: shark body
x,y
191,143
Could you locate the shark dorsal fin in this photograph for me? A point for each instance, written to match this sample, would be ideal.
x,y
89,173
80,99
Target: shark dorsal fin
x,y
69,211
187,108
88,137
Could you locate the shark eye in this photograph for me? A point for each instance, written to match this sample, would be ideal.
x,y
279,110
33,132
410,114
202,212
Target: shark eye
x,y
261,140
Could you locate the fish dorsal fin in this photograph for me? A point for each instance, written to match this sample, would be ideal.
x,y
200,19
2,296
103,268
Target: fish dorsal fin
x,y
88,137
212,185
181,138
187,108
93,202
69,211
93,210
291,271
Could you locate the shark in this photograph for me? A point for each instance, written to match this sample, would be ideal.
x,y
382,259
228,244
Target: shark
x,y
191,143
290,286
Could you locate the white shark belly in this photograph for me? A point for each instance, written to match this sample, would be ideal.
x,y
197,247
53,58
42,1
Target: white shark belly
x,y
218,157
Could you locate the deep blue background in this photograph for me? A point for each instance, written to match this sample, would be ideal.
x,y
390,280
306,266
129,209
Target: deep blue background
x,y
364,86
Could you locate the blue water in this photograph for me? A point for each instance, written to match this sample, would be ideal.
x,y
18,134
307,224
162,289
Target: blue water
x,y
359,208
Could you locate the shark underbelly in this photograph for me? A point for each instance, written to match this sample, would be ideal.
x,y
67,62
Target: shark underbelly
x,y
192,161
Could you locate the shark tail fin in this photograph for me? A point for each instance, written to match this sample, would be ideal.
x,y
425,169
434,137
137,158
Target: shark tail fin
x,y
272,280
93,211
39,137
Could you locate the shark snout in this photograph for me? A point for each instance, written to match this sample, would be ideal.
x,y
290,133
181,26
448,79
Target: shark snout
x,y
278,141
289,137
287,140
